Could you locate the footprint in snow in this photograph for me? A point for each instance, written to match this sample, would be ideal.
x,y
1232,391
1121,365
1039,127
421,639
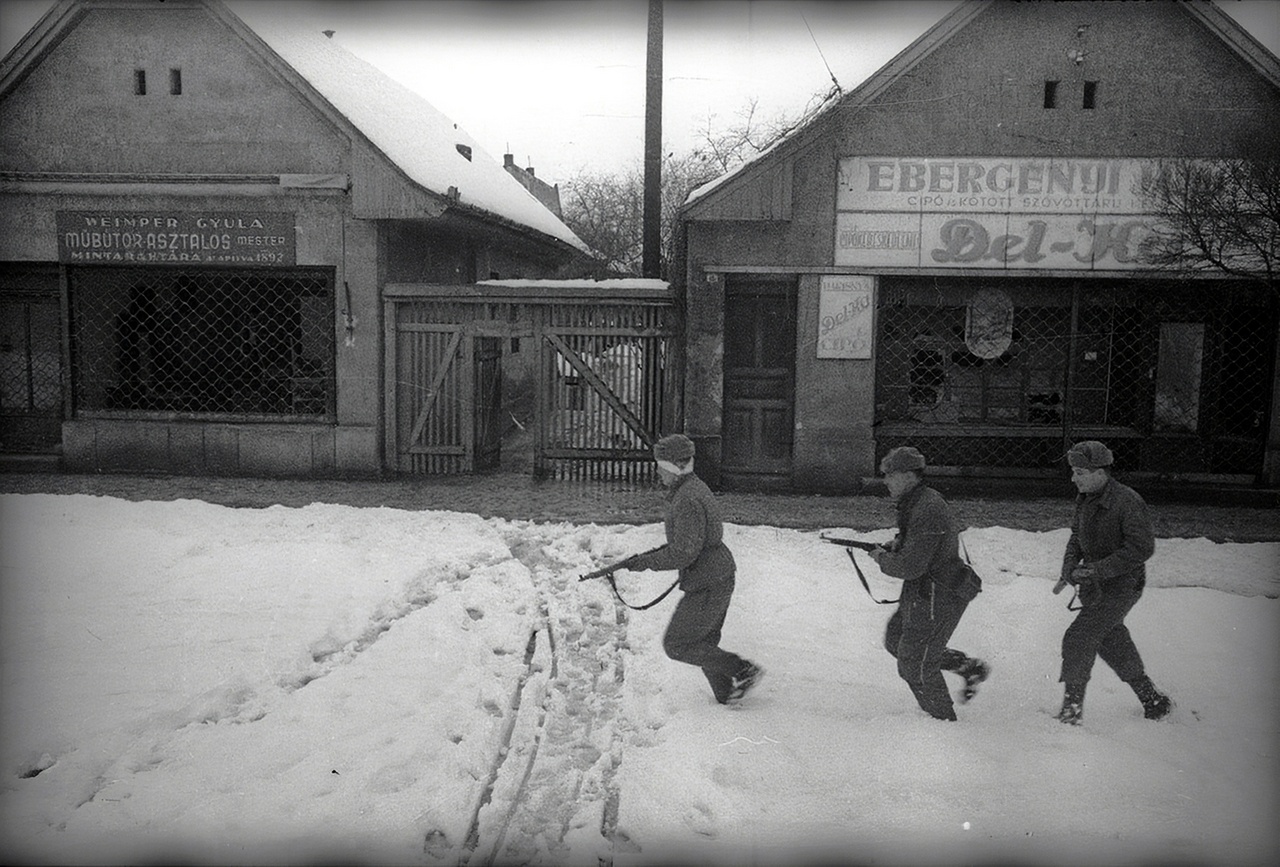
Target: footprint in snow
x,y
700,820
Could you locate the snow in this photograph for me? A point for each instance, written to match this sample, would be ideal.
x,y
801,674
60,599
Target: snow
x,y
613,284
409,130
222,685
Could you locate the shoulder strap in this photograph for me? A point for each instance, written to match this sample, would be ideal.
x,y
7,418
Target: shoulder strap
x,y
865,585
665,593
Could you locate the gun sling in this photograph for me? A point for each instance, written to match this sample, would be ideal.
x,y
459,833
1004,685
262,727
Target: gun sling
x,y
664,595
865,585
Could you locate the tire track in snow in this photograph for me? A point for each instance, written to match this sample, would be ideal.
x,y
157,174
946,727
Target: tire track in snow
x,y
473,838
551,788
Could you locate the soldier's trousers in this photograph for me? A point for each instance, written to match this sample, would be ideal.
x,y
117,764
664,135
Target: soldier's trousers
x,y
917,636
1099,631
693,637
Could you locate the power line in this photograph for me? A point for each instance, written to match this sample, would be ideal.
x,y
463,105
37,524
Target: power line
x,y
839,89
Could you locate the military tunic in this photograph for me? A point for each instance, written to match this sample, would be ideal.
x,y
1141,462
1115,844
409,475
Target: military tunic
x,y
1110,532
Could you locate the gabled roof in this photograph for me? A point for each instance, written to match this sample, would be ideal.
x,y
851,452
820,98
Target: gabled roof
x,y
1219,23
414,136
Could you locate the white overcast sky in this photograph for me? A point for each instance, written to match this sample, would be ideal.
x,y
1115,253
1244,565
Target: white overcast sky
x,y
560,84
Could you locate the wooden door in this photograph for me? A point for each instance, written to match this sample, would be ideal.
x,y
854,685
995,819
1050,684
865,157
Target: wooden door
x,y
759,383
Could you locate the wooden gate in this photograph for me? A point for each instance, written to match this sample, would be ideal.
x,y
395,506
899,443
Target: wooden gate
x,y
597,356
487,406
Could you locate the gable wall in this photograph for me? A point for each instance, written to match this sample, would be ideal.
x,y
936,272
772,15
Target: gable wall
x,y
77,110
1166,86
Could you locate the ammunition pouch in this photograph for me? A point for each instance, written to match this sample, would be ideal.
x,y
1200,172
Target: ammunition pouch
x,y
963,582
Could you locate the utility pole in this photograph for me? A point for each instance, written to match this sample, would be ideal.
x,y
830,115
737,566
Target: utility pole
x,y
652,220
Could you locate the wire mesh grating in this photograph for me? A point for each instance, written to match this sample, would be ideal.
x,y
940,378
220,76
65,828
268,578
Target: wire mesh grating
x,y
246,344
1175,375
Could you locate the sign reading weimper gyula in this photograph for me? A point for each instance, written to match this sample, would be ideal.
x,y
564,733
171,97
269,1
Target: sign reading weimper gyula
x,y
253,238
992,212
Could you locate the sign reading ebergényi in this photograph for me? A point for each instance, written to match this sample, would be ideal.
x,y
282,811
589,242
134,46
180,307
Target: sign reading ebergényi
x,y
992,212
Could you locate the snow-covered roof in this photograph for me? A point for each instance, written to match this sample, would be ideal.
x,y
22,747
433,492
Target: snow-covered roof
x,y
408,129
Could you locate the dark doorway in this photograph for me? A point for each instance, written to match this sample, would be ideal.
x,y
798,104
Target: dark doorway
x,y
31,395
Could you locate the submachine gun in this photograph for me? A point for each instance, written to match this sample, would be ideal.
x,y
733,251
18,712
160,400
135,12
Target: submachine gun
x,y
852,543
849,545
606,572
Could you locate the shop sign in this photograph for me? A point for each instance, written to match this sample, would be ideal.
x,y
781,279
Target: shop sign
x,y
176,237
845,306
999,212
1109,242
994,185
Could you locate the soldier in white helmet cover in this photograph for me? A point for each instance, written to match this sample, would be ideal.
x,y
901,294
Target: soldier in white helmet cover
x,y
695,547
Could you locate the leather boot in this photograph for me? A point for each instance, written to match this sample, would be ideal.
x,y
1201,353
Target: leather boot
x,y
974,672
1072,712
1155,704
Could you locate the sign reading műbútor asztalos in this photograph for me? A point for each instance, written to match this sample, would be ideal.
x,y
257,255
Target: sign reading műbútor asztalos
x,y
176,237
992,212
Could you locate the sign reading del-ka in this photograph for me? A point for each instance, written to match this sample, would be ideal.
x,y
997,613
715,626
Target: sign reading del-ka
x,y
166,237
845,305
992,212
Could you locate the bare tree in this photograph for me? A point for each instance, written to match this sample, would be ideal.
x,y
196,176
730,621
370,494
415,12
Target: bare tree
x,y
606,210
1220,215
750,135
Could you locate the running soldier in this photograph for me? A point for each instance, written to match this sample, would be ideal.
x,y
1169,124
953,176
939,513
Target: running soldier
x,y
1111,540
937,588
695,546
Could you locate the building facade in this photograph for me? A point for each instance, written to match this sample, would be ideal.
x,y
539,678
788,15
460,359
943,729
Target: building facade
x,y
955,255
198,214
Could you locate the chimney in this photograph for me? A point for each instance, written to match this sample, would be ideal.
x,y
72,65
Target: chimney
x,y
530,171
508,161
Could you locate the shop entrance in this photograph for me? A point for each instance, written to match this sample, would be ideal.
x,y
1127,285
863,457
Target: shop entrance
x,y
759,383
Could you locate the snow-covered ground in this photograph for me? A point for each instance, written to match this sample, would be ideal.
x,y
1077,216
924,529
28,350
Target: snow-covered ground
x,y
292,685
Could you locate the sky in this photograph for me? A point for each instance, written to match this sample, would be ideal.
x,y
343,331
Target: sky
x,y
191,683
560,84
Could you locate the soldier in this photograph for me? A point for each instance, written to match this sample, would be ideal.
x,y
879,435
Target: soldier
x,y
1111,540
937,588
695,546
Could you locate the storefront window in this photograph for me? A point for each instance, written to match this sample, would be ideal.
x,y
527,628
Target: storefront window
x,y
1177,406
1176,376
971,357
206,342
